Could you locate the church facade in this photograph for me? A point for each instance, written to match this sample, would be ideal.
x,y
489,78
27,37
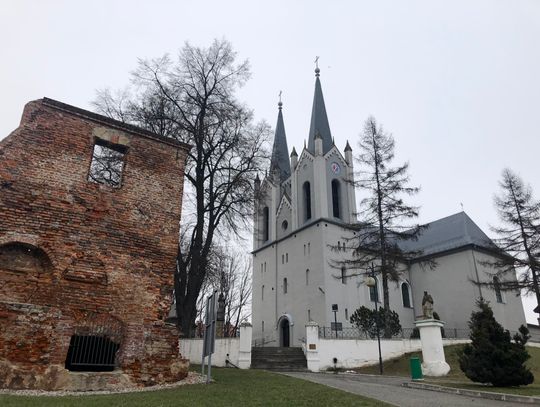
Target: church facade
x,y
302,215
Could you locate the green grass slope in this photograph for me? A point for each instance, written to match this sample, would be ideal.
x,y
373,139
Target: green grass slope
x,y
456,378
231,388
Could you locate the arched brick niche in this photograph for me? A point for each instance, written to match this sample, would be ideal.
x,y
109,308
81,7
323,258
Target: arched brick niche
x,y
17,257
23,269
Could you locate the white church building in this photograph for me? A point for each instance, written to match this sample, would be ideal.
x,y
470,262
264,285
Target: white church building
x,y
305,205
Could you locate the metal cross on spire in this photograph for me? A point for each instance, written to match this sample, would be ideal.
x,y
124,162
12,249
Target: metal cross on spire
x,y
280,103
317,70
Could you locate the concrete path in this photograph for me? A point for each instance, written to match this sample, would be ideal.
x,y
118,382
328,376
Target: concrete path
x,y
389,390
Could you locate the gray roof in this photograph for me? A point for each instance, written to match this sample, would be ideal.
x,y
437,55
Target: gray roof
x,y
453,232
280,153
319,120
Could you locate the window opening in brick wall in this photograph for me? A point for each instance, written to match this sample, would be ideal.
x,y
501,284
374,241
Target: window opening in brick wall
x,y
285,286
107,163
93,349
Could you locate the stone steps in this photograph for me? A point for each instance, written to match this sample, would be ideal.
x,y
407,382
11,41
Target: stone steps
x,y
276,358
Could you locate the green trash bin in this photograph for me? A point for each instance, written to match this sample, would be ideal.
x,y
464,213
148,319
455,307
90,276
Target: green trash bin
x,y
416,369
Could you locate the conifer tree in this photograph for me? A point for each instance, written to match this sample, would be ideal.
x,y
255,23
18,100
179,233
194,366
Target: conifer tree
x,y
519,238
385,218
492,357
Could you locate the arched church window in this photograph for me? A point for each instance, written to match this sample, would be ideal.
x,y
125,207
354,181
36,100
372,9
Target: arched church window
x,y
497,287
285,287
374,291
336,198
307,277
307,200
266,213
405,295
343,276
262,293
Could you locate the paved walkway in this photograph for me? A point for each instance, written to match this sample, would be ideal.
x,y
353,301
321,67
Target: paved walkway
x,y
389,390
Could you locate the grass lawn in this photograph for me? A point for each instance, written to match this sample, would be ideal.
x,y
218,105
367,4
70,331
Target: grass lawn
x,y
232,387
456,378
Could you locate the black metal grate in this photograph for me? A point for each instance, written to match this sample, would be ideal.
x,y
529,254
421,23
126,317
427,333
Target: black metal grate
x,y
93,348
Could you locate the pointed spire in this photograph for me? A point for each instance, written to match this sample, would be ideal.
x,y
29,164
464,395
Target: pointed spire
x,y
280,163
348,146
319,120
293,153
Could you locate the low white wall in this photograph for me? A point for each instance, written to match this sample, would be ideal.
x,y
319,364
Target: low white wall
x,y
352,353
236,350
192,350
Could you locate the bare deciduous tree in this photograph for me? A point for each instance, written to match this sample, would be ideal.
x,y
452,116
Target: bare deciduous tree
x,y
192,99
230,275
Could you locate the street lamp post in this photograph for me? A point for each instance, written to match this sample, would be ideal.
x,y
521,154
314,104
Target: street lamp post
x,y
372,283
335,311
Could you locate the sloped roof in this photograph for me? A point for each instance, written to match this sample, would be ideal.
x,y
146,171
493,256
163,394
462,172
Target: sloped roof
x,y
449,233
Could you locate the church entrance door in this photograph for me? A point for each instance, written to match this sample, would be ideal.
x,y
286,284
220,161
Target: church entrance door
x,y
285,333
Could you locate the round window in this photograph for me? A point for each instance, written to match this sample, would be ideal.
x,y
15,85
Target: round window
x,y
284,225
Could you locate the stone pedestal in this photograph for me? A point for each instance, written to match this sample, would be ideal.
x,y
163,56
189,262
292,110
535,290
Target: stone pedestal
x,y
434,362
312,346
244,353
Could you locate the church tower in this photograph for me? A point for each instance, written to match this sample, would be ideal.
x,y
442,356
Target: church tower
x,y
300,200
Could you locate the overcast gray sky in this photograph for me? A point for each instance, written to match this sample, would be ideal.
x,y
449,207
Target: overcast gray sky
x,y
456,82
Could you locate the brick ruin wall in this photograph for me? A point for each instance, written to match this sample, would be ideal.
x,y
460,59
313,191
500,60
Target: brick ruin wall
x,y
102,252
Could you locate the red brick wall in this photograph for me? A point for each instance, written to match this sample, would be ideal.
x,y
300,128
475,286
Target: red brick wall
x,y
112,251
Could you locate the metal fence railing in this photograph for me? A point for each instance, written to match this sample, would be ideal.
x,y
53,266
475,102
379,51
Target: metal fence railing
x,y
405,333
258,342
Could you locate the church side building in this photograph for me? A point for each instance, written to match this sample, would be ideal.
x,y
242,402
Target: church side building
x,y
301,223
